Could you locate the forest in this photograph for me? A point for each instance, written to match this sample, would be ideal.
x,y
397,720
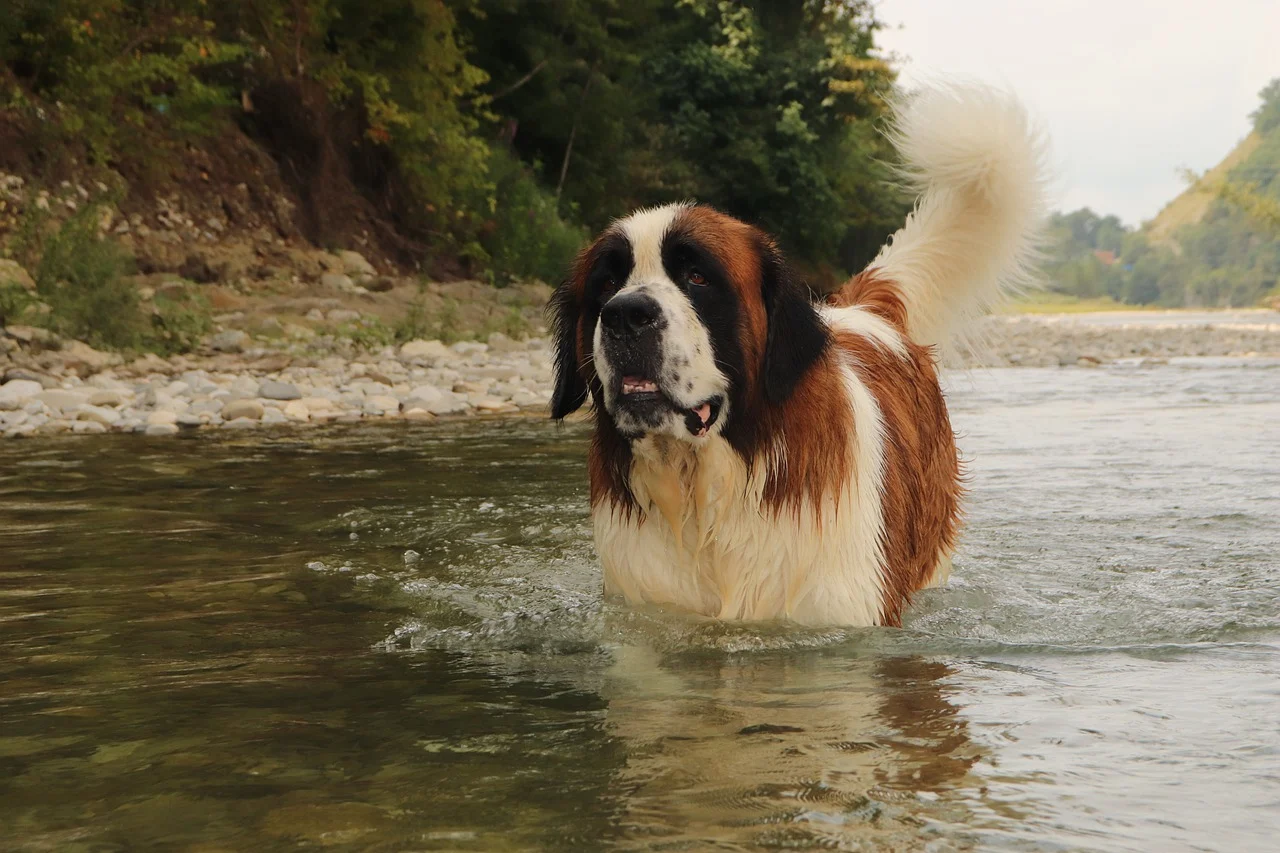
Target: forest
x,y
488,138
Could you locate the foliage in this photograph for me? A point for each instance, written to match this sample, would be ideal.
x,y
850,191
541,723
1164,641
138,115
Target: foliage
x,y
14,302
525,234
1266,117
81,277
110,69
768,110
494,132
180,321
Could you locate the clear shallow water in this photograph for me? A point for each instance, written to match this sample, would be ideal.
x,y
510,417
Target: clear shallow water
x,y
217,643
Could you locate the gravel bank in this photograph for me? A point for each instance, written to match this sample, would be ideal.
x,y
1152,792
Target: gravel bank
x,y
51,386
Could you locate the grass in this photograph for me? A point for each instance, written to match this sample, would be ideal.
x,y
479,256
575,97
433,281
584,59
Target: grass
x,y
1047,302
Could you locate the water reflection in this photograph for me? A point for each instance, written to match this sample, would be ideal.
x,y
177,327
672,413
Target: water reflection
x,y
775,749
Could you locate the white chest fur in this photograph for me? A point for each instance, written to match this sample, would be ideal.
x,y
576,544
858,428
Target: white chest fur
x,y
707,542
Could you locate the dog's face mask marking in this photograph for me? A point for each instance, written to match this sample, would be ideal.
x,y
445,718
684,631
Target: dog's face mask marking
x,y
653,349
664,323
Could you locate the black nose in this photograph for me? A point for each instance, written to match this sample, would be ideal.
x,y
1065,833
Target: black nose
x,y
631,313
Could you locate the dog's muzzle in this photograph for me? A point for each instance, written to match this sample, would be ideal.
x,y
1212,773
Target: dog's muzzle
x,y
633,326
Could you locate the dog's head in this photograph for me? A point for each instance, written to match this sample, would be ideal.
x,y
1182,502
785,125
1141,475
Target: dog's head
x,y
679,319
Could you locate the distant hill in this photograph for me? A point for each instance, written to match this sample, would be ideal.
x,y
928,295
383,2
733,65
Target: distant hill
x,y
1215,245
1191,206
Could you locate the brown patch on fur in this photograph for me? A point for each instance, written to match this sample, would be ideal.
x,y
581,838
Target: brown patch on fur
x,y
609,466
878,295
921,493
734,243
813,431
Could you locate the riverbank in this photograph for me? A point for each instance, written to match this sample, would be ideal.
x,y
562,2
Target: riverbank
x,y
52,386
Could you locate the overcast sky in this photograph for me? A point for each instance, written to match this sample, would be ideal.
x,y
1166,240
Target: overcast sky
x,y
1130,90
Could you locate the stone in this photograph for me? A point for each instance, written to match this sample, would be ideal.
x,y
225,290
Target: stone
x,y
317,404
240,423
356,264
418,414
243,410
424,349
83,358
162,417
273,389
11,272
189,421
30,335
297,410
161,429
525,399
470,347
273,363
450,405
343,315
107,397
315,315
426,394
274,416
337,281
98,414
495,372
470,387
232,340
206,407
500,343
58,398
381,284
19,391
88,427
44,379
382,403
491,404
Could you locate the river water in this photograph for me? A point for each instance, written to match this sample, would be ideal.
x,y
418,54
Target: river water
x,y
391,638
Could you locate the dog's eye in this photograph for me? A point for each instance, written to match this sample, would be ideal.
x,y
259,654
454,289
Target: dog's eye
x,y
696,278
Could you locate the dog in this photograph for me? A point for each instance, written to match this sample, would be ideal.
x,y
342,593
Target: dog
x,y
762,454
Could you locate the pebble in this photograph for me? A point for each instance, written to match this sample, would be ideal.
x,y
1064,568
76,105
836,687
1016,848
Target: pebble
x,y
62,399
107,397
19,391
424,379
98,414
243,410
272,389
424,349
229,341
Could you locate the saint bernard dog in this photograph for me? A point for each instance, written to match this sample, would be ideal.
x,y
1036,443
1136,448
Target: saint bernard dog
x,y
760,453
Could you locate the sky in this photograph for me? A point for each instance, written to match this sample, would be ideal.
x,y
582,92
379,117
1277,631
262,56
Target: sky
x,y
1130,91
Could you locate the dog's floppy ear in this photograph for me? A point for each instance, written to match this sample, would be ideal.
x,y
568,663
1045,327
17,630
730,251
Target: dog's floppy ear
x,y
797,336
564,312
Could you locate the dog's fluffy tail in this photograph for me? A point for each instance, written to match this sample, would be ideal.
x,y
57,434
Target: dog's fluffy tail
x,y
979,166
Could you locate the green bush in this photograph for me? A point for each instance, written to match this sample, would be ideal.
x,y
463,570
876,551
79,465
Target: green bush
x,y
14,302
526,237
179,322
80,276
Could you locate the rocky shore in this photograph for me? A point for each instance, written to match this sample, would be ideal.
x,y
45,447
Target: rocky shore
x,y
51,386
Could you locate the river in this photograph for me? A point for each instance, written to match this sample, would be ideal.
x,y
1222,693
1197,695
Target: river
x,y
392,638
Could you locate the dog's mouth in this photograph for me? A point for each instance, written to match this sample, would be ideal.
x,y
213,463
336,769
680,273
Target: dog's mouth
x,y
642,393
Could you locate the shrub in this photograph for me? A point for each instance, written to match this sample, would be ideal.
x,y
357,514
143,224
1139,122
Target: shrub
x,y
81,277
526,237
179,321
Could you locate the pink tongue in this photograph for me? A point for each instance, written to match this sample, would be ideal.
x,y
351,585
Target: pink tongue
x,y
703,412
